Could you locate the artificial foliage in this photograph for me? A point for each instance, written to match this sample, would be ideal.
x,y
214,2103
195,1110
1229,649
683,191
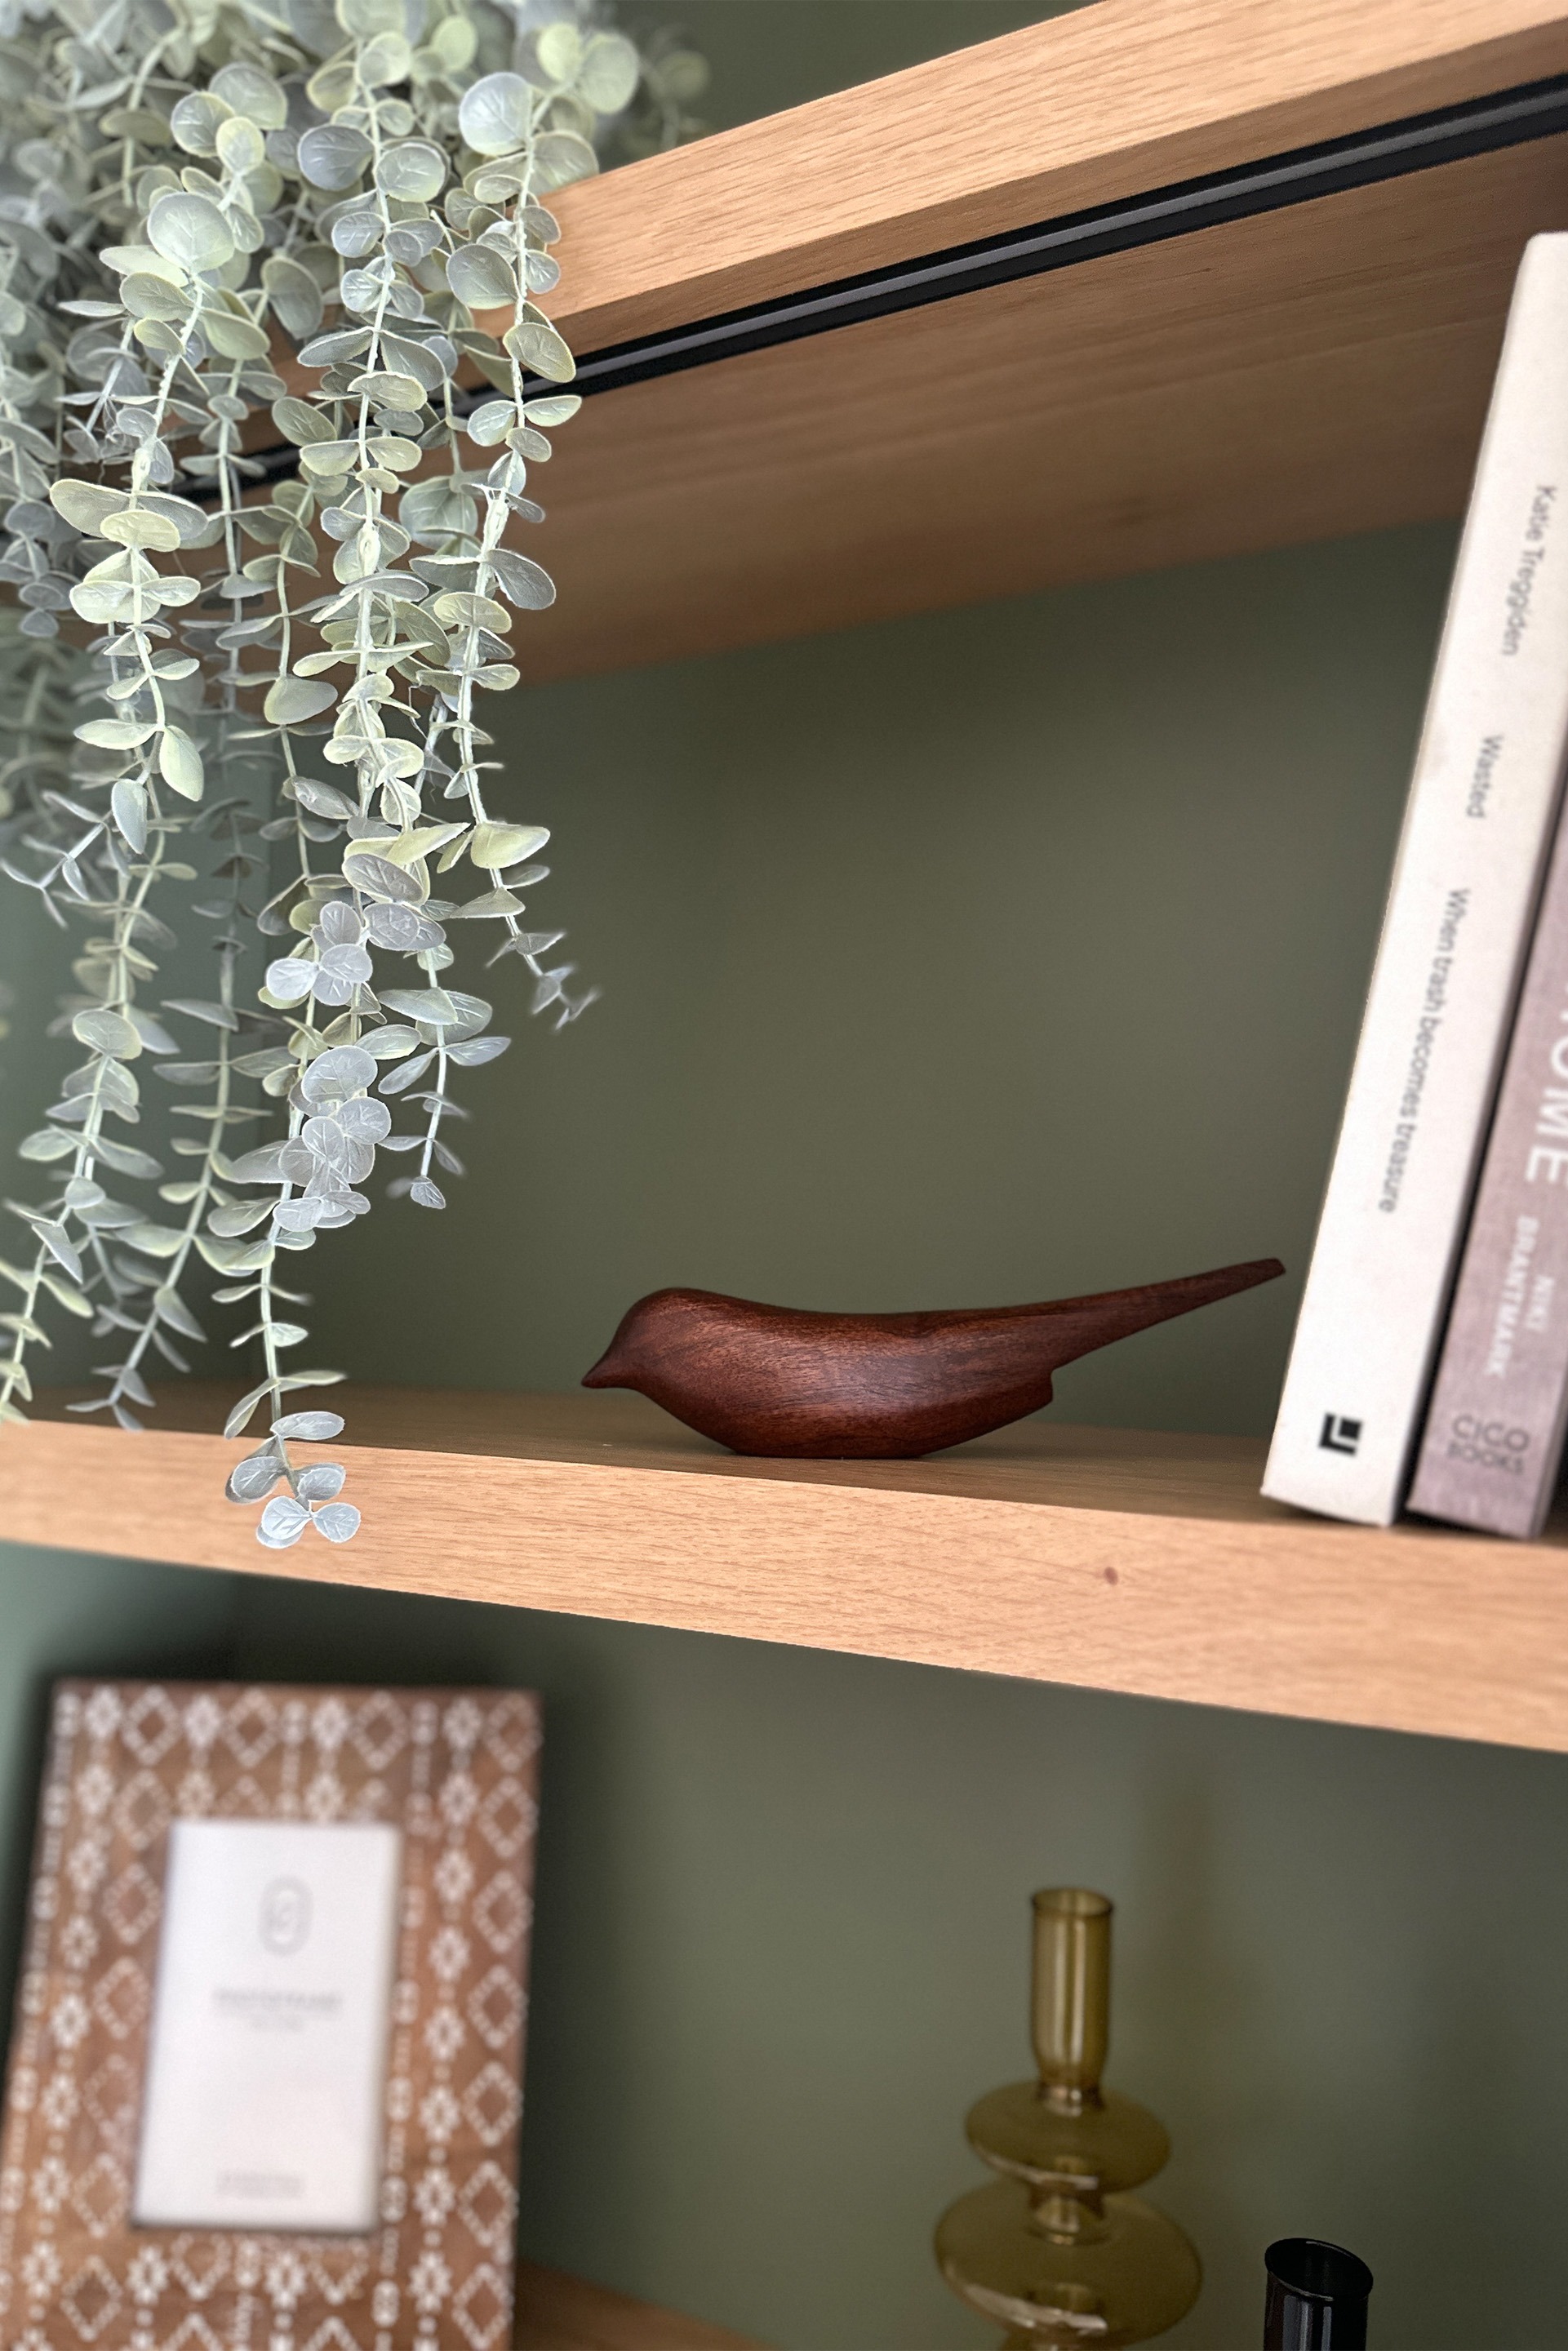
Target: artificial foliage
x,y
264,546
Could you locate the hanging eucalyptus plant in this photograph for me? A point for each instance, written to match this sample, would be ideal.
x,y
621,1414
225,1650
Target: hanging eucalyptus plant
x,y
251,253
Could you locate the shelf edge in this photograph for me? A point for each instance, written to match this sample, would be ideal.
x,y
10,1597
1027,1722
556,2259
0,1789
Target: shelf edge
x,y
1414,1630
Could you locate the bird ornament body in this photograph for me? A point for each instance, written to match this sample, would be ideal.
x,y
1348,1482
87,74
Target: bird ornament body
x,y
781,1381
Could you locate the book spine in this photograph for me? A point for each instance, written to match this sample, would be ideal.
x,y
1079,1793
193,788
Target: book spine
x,y
1477,825
1494,1429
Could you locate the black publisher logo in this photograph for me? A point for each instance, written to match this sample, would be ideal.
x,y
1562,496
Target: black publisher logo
x,y
1338,1435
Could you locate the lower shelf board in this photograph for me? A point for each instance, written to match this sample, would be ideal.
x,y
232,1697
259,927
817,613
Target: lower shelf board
x,y
1101,1557
558,2313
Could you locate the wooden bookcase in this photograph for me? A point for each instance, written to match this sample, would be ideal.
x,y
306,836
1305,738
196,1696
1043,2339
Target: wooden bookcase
x,y
1298,370
1306,370
1290,374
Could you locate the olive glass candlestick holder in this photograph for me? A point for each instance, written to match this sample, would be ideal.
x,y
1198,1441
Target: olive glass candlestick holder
x,y
1056,2251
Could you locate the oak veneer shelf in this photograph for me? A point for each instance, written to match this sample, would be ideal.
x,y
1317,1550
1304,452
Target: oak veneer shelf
x,y
1298,374
556,2312
1105,102
1101,1557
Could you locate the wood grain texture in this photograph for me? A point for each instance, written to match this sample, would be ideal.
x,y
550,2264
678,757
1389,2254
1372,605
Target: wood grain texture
x,y
782,1381
1301,375
455,1772
1103,1557
559,2312
1104,102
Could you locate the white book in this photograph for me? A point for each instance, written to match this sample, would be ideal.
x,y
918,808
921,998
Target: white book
x,y
270,2022
1477,829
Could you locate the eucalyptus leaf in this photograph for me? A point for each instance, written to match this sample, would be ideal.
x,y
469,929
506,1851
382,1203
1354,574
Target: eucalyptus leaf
x,y
114,734
107,1031
282,1522
85,504
539,349
190,230
66,1294
179,763
254,1477
406,1073
480,275
321,1481
171,1308
414,171
128,804
526,583
126,1160
497,114
558,411
47,1143
322,799
490,423
197,120
234,338
154,1239
311,1427
294,295
200,1008
558,47
494,847
340,1071
243,1413
560,157
334,348
293,701
252,91
608,73
431,1005
333,154
380,878
338,1522
291,978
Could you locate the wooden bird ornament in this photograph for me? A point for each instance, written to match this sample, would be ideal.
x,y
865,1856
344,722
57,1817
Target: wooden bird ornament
x,y
775,1380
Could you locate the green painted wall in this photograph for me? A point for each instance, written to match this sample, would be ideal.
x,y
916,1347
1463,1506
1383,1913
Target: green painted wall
x,y
781,1945
769,54
60,1614
1009,952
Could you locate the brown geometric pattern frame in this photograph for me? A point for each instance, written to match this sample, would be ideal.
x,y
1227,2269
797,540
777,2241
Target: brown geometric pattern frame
x,y
458,1771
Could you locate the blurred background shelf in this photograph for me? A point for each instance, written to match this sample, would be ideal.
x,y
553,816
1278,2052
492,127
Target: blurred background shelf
x,y
1107,1558
558,2313
1286,375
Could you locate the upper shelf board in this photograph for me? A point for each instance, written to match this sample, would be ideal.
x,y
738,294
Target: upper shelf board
x,y
1288,374
1099,1557
1094,107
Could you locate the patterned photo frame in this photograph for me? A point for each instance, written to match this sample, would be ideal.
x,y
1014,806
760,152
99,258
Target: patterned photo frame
x,y
458,1771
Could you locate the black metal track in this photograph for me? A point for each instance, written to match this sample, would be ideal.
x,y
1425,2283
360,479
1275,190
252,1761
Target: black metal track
x,y
1420,142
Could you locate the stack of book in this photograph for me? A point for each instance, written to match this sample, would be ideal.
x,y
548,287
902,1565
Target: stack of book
x,y
1429,1368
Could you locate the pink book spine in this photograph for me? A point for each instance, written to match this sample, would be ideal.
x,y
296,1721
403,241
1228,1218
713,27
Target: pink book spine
x,y
1495,1425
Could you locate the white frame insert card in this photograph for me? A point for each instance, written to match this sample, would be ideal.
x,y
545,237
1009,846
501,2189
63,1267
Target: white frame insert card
x,y
264,2089
266,2065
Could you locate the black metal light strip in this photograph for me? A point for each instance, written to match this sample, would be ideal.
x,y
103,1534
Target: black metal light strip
x,y
1420,142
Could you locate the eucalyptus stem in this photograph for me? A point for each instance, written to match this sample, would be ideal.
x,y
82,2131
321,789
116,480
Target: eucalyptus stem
x,y
235,227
